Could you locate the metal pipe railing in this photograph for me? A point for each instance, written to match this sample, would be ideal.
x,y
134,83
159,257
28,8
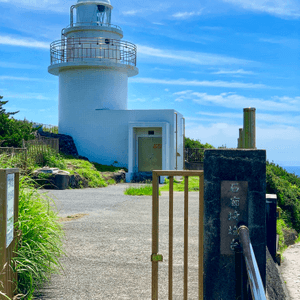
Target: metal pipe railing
x,y
256,285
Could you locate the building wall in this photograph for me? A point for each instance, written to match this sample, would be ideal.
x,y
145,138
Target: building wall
x,y
78,97
104,136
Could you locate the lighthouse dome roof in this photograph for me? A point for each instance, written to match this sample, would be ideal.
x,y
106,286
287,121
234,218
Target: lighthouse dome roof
x,y
98,1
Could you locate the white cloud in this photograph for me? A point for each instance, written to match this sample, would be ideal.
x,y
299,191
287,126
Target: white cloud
x,y
131,12
260,117
21,42
267,138
288,42
53,5
232,100
233,72
28,96
14,78
281,8
186,15
17,65
191,57
185,82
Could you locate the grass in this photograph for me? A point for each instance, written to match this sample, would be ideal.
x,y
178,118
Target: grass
x,y
88,171
40,240
145,190
178,186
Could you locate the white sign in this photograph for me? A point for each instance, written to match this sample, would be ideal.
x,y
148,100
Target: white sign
x,y
10,208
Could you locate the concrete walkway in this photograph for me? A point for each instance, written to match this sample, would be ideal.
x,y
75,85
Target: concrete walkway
x,y
108,250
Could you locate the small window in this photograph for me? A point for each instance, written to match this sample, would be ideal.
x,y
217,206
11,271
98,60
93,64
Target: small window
x,y
151,132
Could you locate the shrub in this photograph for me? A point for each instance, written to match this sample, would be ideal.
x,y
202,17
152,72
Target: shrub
x,y
287,188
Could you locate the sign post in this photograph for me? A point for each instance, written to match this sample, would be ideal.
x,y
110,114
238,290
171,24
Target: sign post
x,y
9,202
234,195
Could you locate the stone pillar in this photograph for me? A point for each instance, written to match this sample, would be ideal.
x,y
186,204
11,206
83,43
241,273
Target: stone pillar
x,y
245,168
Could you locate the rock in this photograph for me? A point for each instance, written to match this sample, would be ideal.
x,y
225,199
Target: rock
x,y
275,285
66,142
117,176
290,235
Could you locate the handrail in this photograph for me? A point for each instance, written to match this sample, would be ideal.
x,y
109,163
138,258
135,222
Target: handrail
x,y
97,48
256,285
71,25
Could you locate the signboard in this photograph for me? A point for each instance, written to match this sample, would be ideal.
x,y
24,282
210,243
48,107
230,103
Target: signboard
x,y
234,209
10,199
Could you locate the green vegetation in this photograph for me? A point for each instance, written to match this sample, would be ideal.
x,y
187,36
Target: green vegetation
x,y
53,129
39,243
112,168
145,190
287,188
88,171
12,132
190,143
178,186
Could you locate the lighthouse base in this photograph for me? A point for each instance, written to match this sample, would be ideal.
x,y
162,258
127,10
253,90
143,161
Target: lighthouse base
x,y
139,140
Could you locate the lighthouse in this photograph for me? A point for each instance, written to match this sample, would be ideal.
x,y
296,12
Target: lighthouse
x,y
93,64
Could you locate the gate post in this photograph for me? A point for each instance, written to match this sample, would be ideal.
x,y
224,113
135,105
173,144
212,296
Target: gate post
x,y
235,187
9,206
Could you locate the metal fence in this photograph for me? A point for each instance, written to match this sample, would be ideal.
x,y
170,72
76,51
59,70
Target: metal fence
x,y
34,149
39,147
194,155
158,258
79,49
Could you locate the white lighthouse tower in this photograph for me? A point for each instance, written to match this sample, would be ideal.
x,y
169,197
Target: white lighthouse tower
x,y
92,62
93,65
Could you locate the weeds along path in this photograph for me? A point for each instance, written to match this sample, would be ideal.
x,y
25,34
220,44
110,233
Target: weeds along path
x,y
108,249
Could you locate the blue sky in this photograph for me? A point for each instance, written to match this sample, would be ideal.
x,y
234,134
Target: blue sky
x,y
206,59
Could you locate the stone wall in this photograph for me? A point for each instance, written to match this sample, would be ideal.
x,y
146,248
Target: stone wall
x,y
66,142
193,165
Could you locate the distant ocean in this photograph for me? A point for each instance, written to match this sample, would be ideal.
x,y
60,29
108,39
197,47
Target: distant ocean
x,y
293,169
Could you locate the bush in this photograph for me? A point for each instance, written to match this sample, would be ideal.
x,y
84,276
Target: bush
x,y
190,143
287,188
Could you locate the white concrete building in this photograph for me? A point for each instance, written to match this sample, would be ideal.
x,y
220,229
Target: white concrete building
x,y
93,65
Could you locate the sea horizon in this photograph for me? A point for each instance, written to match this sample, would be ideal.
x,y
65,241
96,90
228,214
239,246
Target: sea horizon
x,y
292,169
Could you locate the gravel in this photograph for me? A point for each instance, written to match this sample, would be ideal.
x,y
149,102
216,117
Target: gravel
x,y
108,250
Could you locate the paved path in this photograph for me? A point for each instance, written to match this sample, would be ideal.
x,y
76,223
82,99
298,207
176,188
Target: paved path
x,y
290,271
108,250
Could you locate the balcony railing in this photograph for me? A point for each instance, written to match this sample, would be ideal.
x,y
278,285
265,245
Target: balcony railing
x,y
92,49
93,24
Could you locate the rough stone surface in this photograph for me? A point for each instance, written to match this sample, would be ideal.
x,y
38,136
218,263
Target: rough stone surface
x,y
55,181
66,142
117,176
193,165
235,165
275,285
290,235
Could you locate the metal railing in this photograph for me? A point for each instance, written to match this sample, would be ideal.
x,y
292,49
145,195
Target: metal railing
x,y
194,154
155,257
83,49
93,24
254,278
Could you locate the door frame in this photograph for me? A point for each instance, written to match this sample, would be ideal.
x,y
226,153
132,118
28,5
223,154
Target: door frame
x,y
133,140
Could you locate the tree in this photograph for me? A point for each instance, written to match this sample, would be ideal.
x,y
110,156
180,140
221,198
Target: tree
x,y
190,143
12,132
2,110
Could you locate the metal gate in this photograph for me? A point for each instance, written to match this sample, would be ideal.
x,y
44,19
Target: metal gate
x,y
157,258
